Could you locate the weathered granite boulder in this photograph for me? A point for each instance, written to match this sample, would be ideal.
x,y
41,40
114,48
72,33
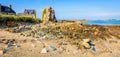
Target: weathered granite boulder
x,y
48,15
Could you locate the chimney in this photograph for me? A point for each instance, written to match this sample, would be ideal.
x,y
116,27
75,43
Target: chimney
x,y
10,6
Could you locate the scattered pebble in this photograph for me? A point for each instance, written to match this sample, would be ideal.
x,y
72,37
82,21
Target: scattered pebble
x,y
52,48
44,50
1,52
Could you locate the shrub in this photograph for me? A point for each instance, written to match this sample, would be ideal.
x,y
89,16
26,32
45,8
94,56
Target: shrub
x,y
13,18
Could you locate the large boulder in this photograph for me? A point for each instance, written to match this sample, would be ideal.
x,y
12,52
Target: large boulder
x,y
48,15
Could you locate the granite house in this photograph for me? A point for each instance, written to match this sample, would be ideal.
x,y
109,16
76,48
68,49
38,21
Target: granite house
x,y
7,10
28,13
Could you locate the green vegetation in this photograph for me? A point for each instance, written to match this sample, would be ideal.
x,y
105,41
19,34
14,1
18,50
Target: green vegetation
x,y
13,18
43,13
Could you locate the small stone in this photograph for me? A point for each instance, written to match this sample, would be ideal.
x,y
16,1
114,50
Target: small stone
x,y
93,49
65,43
95,33
44,37
90,54
113,41
86,45
59,52
52,48
17,46
9,45
1,52
33,45
44,50
92,45
86,40
75,52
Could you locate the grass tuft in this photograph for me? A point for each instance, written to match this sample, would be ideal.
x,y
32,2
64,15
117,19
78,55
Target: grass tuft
x,y
13,18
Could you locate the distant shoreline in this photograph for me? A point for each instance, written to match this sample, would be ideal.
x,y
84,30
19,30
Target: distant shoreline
x,y
103,22
109,22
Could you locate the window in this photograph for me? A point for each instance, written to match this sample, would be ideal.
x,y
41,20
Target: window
x,y
2,8
7,9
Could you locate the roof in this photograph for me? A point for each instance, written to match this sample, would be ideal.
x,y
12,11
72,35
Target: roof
x,y
29,11
7,9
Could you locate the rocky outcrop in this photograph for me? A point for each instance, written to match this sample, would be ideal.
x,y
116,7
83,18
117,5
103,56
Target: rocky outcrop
x,y
48,15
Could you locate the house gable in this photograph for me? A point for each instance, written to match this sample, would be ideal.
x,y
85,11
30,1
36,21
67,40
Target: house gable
x,y
29,13
6,10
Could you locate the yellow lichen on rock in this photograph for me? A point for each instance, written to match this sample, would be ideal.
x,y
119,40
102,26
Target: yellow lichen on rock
x,y
48,14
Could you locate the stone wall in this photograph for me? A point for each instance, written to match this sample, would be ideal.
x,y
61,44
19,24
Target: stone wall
x,y
32,15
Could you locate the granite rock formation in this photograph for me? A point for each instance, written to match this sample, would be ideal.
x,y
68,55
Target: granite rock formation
x,y
48,15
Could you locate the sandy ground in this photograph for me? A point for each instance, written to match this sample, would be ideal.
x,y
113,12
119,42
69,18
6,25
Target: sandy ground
x,y
31,47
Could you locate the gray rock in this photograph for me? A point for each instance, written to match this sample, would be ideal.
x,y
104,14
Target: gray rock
x,y
52,48
93,49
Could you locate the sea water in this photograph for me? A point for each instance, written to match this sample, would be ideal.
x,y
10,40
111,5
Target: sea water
x,y
103,22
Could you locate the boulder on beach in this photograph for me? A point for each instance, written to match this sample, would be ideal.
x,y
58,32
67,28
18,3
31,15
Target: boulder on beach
x,y
48,15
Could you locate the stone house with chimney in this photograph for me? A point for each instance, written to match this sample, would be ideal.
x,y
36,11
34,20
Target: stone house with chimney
x,y
7,10
28,13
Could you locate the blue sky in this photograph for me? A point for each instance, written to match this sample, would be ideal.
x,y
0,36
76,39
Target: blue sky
x,y
71,9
